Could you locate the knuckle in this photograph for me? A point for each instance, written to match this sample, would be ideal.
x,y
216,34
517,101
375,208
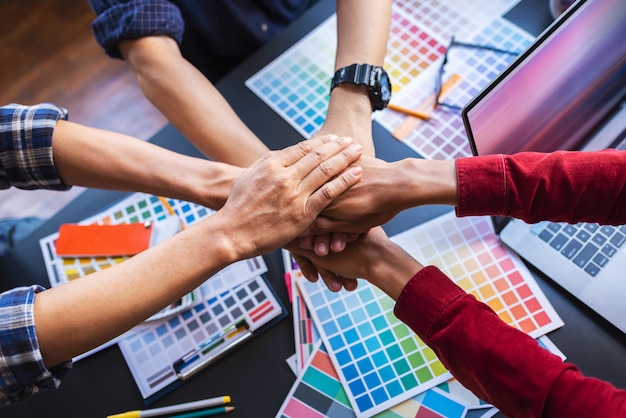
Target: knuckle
x,y
326,167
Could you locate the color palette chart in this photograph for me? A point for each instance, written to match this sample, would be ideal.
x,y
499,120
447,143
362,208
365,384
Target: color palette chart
x,y
469,252
319,393
379,360
296,84
142,207
466,73
152,348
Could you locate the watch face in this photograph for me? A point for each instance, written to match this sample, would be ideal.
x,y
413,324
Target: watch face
x,y
381,90
385,88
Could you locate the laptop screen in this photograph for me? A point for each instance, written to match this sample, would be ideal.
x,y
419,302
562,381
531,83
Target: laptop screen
x,y
558,90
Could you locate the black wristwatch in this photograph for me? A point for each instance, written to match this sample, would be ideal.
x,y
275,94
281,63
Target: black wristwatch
x,y
374,77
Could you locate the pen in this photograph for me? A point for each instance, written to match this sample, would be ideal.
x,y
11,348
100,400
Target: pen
x,y
211,349
206,412
410,112
173,409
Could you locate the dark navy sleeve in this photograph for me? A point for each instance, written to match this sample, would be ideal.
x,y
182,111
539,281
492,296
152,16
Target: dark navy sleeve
x,y
133,19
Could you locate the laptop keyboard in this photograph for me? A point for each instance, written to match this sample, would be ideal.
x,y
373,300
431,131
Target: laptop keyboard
x,y
588,246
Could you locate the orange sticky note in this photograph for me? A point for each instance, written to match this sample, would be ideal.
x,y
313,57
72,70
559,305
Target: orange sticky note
x,y
103,240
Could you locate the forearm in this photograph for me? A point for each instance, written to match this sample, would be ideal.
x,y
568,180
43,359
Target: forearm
x,y
362,34
190,102
579,186
117,299
427,182
95,158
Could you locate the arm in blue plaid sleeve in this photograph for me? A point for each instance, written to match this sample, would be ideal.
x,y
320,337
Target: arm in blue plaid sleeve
x,y
26,146
118,20
22,371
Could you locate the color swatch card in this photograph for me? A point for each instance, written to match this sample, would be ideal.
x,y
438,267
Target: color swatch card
x,y
305,332
318,393
469,252
296,84
379,360
154,350
470,65
138,208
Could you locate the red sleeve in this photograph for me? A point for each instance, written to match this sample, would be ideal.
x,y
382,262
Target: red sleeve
x,y
564,186
500,364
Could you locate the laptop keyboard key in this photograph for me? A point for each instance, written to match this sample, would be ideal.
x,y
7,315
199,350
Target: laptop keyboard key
x,y
546,235
618,239
592,269
583,235
600,260
569,230
592,227
599,239
554,227
607,230
571,249
558,242
609,250
585,255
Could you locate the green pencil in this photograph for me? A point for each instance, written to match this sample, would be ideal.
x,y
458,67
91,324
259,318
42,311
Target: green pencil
x,y
206,412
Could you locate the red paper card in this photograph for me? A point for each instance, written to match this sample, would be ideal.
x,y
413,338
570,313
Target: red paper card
x,y
103,240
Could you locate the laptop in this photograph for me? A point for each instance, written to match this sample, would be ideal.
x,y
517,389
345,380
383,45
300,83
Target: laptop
x,y
567,91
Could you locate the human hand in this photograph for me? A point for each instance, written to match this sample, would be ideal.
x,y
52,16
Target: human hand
x,y
373,256
279,195
375,200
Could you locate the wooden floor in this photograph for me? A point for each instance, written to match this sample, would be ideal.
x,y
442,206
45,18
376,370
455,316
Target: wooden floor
x,y
48,54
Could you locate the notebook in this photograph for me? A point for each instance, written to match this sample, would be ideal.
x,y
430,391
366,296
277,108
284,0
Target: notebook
x,y
565,92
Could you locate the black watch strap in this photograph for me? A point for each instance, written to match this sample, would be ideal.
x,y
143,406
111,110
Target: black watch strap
x,y
373,77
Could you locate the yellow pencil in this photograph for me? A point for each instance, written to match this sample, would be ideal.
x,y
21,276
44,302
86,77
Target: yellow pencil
x,y
409,112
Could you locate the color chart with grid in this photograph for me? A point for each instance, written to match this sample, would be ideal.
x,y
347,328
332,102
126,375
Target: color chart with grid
x,y
296,84
467,72
379,359
318,393
152,348
141,207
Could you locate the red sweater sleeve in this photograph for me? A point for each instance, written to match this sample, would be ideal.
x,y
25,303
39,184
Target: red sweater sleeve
x,y
564,186
497,362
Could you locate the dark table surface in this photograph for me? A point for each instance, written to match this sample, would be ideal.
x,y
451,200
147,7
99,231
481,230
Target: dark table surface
x,y
256,375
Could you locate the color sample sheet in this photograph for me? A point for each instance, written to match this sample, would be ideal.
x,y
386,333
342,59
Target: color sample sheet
x,y
467,71
379,360
318,393
296,84
141,207
152,348
305,332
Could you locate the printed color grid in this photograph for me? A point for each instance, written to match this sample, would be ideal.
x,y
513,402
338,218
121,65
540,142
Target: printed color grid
x,y
379,360
318,393
296,84
151,349
467,72
469,252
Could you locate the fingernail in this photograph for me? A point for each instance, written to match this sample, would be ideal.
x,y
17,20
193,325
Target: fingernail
x,y
356,171
321,249
348,139
356,147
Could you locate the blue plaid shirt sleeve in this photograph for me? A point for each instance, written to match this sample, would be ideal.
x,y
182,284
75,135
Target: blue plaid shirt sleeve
x,y
26,146
22,371
133,19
